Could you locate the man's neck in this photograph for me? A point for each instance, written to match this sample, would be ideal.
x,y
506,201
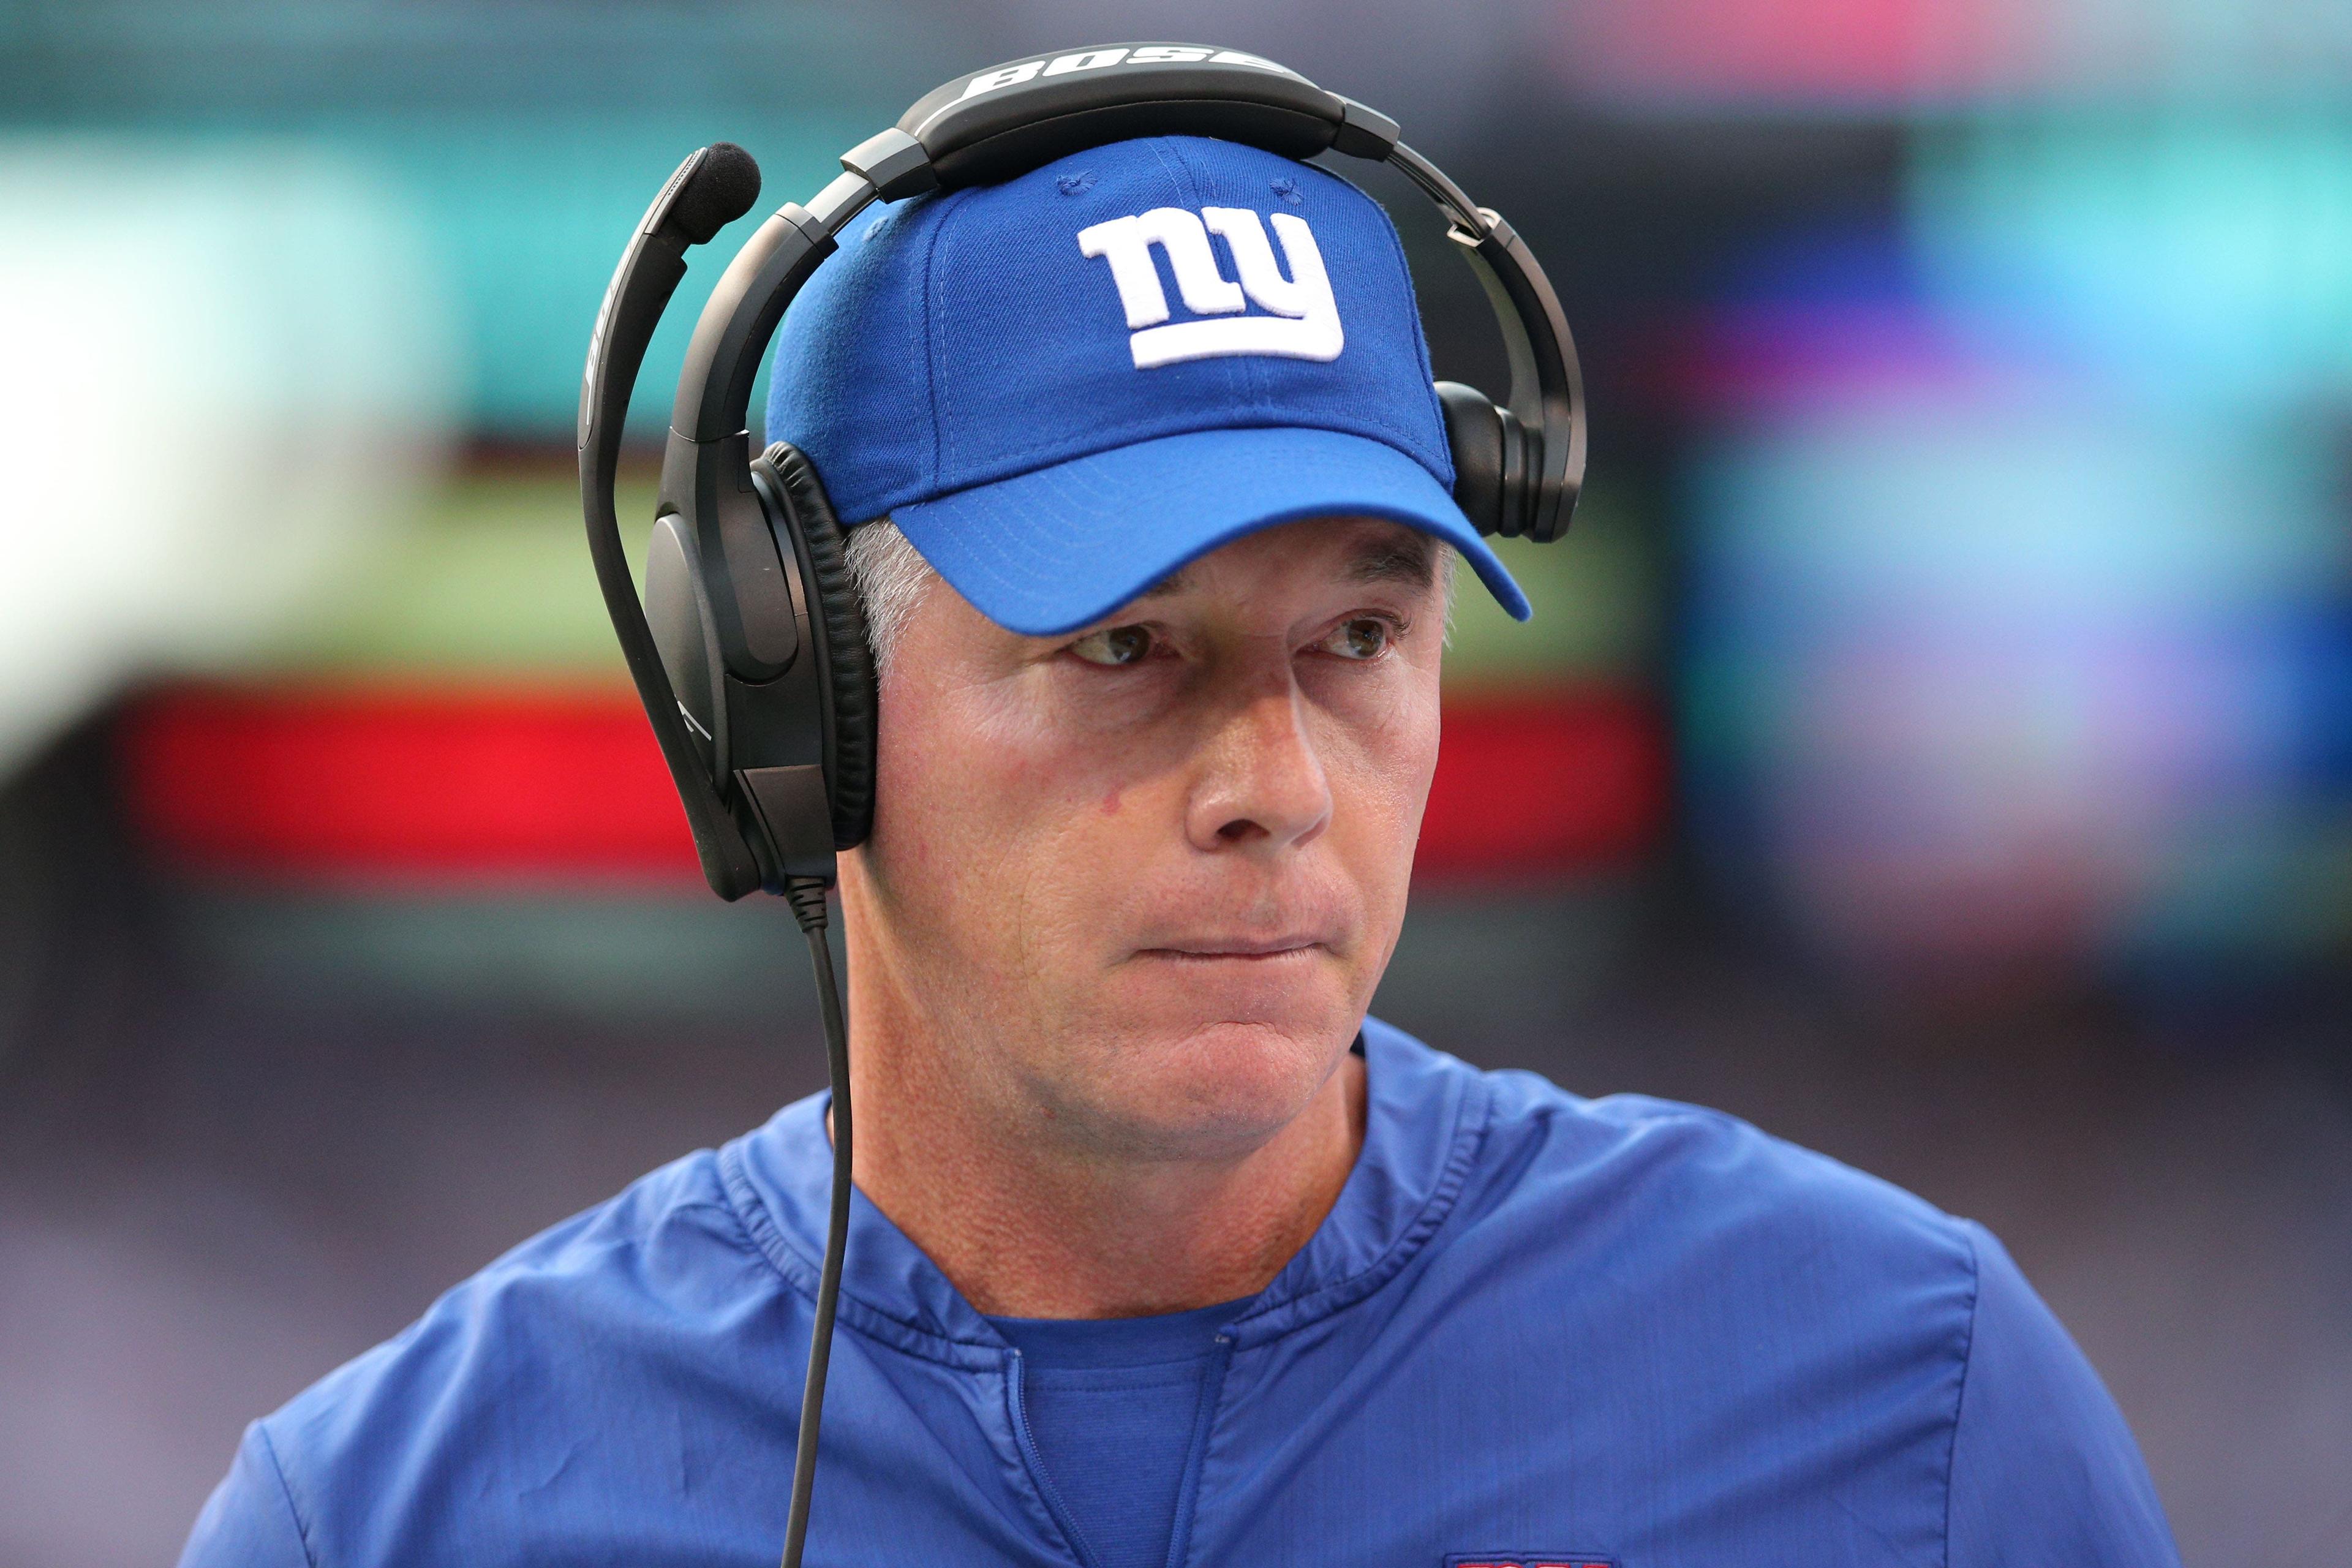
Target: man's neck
x,y
1029,1226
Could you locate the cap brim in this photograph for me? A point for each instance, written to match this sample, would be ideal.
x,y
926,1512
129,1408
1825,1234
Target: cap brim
x,y
1054,549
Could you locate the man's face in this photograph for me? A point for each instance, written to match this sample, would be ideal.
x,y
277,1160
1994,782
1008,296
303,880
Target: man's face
x,y
1141,881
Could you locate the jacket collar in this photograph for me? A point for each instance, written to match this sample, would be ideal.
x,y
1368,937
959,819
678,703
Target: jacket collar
x,y
1425,1117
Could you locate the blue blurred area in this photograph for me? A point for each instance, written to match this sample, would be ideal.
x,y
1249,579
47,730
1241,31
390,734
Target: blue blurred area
x,y
2196,252
2019,560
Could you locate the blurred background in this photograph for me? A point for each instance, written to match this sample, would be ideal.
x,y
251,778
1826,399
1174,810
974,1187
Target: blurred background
x,y
1935,742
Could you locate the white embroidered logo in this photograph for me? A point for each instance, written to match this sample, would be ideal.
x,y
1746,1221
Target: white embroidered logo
x,y
1306,320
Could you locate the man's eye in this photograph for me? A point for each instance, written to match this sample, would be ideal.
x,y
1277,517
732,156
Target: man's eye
x,y
1115,646
1366,637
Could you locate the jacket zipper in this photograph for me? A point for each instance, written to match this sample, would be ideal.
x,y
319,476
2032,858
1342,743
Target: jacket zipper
x,y
1204,1420
1016,1378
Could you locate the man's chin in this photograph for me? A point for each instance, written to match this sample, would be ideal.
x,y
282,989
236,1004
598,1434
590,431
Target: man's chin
x,y
1192,1083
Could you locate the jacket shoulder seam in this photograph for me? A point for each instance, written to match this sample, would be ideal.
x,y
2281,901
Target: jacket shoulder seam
x,y
286,1492
1960,1393
752,1218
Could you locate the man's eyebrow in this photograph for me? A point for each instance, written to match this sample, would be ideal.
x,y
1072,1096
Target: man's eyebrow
x,y
1176,582
1411,560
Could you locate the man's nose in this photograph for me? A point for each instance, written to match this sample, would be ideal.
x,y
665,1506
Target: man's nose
x,y
1263,784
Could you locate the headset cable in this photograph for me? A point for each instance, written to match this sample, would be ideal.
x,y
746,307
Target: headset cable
x,y
806,895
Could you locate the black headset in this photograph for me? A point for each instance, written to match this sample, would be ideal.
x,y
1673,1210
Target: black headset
x,y
749,650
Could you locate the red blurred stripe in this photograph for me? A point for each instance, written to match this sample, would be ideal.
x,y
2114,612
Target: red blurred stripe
x,y
468,783
1533,784
488,785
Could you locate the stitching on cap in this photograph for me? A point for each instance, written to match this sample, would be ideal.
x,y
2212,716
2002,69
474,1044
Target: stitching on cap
x,y
933,347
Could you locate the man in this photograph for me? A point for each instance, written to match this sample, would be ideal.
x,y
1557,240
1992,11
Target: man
x,y
1164,1253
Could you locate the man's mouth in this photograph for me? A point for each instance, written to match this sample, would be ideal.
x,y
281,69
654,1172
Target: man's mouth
x,y
1256,948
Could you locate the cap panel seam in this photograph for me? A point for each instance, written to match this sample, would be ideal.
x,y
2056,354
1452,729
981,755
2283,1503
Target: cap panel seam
x,y
1170,158
1420,345
934,348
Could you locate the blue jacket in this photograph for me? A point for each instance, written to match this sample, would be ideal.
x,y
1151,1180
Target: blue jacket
x,y
1535,1329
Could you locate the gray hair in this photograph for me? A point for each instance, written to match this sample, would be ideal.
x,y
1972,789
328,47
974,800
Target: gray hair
x,y
891,578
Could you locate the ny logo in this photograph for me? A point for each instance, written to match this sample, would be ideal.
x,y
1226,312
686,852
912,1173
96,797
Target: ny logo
x,y
1306,320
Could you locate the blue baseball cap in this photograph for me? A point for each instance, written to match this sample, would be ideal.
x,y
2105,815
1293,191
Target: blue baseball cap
x,y
1064,387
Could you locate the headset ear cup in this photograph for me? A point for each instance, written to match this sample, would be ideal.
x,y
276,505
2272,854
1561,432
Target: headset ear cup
x,y
1476,436
835,610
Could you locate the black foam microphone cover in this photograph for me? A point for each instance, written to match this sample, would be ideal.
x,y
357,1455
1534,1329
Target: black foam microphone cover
x,y
721,189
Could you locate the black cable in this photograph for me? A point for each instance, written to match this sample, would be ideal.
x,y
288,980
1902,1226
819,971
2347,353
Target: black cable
x,y
806,895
